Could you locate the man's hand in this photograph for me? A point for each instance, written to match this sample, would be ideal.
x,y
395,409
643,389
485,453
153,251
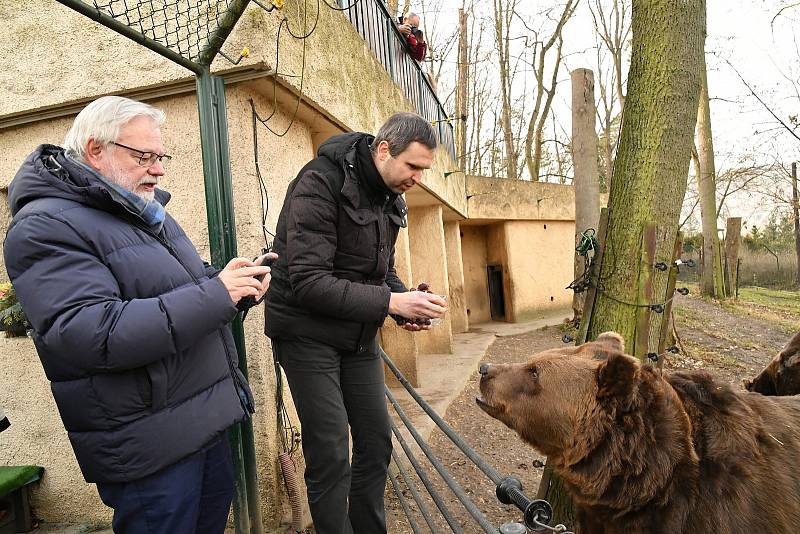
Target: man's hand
x,y
238,278
417,305
405,29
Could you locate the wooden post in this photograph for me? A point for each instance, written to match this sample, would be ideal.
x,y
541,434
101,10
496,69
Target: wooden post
x,y
591,294
669,294
586,183
733,237
796,213
462,91
645,293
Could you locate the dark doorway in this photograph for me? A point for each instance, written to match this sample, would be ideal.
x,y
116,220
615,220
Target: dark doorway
x,y
496,298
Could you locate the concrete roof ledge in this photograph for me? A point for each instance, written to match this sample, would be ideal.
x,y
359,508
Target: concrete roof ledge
x,y
503,199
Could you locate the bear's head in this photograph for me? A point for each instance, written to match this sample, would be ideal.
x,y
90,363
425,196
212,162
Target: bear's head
x,y
782,375
557,392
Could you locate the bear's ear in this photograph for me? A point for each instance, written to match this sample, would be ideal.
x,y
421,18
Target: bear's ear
x,y
616,377
612,339
791,360
790,355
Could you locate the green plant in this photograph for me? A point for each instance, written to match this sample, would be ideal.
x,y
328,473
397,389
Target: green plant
x,y
12,318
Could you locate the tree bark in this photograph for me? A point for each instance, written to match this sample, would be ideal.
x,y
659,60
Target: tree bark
x,y
462,87
733,237
712,282
584,160
651,167
796,214
392,5
502,23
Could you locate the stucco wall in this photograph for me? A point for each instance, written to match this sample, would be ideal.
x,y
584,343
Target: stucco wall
x,y
457,307
37,437
476,288
502,199
429,265
67,497
539,265
341,75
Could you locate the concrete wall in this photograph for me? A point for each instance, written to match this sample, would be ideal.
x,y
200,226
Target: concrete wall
x,y
400,344
429,264
457,308
37,437
476,288
68,498
341,77
498,199
539,266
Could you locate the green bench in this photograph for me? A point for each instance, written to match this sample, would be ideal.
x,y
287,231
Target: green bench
x,y
15,509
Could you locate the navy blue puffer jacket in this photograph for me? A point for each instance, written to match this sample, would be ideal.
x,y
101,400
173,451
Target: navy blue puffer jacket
x,y
130,325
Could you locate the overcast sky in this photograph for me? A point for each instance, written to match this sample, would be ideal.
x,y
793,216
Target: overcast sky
x,y
739,31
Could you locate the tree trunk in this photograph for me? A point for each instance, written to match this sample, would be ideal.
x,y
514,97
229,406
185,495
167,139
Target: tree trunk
x,y
796,214
462,91
501,27
392,5
712,282
651,166
584,160
733,237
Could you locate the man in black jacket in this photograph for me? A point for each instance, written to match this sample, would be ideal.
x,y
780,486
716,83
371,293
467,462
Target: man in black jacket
x,y
130,325
332,287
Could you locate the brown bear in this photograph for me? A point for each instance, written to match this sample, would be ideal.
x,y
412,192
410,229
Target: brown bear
x,y
642,452
782,375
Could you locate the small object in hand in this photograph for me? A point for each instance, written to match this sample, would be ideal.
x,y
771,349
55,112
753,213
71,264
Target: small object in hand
x,y
424,286
245,303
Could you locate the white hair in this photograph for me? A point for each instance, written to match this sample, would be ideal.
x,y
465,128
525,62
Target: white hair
x,y
102,121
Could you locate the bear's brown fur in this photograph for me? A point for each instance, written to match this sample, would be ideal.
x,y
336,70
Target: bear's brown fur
x,y
646,453
782,375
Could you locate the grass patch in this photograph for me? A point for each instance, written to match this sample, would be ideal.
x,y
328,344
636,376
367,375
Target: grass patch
x,y
775,299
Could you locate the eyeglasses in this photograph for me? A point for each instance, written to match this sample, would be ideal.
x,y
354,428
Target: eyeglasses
x,y
147,159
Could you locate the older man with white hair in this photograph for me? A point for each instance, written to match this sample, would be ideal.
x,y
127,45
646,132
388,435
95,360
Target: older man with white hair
x,y
130,325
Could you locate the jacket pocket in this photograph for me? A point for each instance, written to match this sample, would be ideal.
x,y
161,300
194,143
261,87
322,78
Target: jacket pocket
x,y
359,235
157,374
143,385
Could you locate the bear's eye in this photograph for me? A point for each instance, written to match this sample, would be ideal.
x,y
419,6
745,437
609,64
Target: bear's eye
x,y
534,372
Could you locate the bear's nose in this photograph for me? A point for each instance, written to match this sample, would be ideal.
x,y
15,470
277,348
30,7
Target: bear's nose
x,y
484,369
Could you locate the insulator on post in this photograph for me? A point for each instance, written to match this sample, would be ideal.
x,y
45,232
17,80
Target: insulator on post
x,y
567,338
683,291
658,308
661,266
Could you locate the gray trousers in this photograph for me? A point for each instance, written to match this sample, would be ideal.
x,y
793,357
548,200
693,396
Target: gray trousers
x,y
334,390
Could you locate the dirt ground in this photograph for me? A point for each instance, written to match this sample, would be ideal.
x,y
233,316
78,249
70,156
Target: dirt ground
x,y
734,341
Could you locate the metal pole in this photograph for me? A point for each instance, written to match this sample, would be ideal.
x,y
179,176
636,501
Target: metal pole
x,y
225,26
222,242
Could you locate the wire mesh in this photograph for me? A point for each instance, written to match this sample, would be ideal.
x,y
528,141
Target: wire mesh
x,y
187,27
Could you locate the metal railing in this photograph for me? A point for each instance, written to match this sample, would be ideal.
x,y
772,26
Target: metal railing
x,y
537,514
372,20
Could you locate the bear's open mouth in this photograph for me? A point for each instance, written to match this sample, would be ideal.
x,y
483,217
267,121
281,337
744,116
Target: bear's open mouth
x,y
486,406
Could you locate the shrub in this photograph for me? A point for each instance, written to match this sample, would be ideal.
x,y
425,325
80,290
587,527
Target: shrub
x,y
12,318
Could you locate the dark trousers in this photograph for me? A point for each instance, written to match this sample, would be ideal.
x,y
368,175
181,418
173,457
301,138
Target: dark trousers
x,y
192,496
331,390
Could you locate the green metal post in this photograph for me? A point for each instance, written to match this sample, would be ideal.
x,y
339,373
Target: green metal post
x,y
222,242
